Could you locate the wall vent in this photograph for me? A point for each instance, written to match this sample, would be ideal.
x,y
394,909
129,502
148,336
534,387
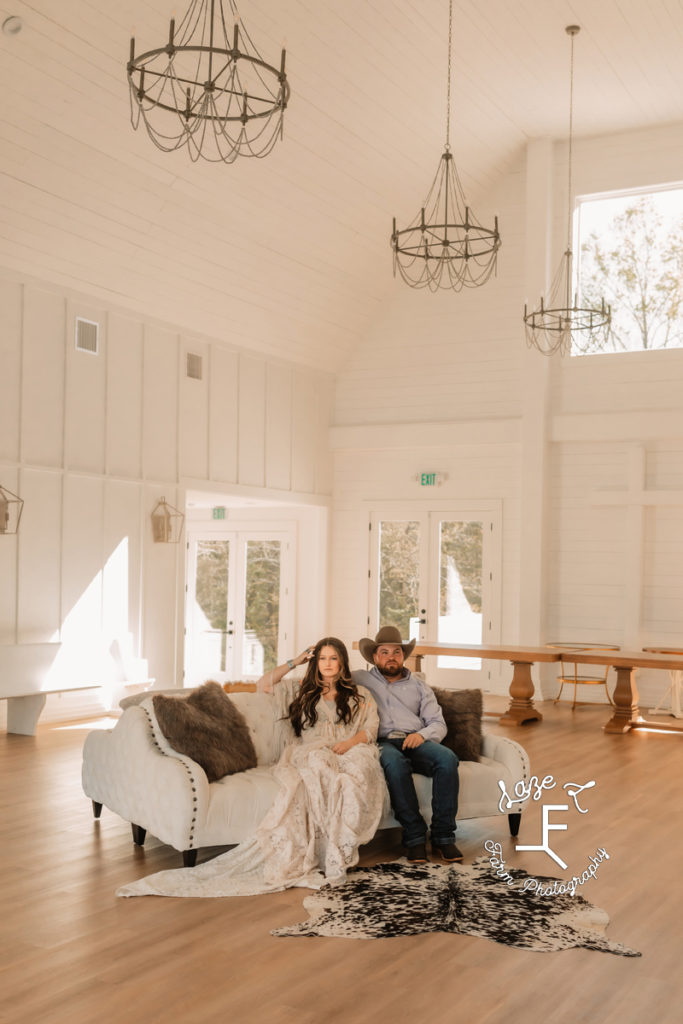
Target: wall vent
x,y
87,332
193,366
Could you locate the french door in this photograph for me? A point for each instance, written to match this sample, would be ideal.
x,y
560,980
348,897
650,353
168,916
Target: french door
x,y
436,576
239,612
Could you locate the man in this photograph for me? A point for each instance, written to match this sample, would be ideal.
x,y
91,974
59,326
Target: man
x,y
411,727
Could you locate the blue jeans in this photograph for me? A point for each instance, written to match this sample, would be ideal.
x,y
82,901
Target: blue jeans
x,y
438,763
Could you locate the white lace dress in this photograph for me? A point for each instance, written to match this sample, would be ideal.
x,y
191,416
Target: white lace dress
x,y
327,806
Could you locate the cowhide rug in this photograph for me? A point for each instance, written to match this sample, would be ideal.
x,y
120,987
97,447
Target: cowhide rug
x,y
405,899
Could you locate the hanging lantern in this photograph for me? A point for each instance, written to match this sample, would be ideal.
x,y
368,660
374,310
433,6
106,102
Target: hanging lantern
x,y
167,523
11,506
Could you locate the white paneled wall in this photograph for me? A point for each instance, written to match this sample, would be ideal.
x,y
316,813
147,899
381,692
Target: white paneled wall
x,y
456,366
41,386
160,416
587,577
10,361
440,382
616,570
366,480
193,451
438,387
223,415
278,439
631,381
37,579
85,394
91,442
663,587
305,440
125,350
444,356
252,422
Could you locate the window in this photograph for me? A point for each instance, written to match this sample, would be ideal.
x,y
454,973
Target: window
x,y
630,250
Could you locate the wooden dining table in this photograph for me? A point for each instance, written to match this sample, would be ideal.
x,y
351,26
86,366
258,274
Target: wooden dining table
x,y
626,712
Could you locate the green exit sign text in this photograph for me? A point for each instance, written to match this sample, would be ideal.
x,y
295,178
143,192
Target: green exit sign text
x,y
428,479
218,512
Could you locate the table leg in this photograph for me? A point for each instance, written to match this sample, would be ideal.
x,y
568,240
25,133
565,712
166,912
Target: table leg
x,y
23,713
414,663
625,696
521,691
676,682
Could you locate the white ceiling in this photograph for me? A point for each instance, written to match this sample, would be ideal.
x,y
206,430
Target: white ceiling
x,y
289,255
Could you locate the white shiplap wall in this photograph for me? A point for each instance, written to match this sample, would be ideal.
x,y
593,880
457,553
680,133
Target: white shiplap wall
x,y
457,364
367,480
615,571
629,381
586,571
446,356
91,442
436,386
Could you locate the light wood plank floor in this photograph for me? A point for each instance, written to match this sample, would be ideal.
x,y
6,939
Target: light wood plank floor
x,y
71,952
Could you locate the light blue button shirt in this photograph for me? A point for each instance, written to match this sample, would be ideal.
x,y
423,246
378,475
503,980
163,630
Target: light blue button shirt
x,y
407,704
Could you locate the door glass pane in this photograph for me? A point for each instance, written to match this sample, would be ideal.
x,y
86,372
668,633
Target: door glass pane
x,y
399,576
211,605
261,607
460,581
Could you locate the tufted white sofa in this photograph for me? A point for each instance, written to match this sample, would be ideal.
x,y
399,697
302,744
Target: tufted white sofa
x,y
132,770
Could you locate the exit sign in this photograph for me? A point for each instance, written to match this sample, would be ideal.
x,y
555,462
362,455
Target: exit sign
x,y
218,512
432,479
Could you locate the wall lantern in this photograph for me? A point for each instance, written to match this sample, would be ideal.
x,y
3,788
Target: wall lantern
x,y
11,506
167,523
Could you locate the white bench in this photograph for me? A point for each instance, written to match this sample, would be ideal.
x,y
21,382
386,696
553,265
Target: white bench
x,y
25,683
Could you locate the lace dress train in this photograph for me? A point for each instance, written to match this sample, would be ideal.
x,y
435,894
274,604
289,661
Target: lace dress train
x,y
327,806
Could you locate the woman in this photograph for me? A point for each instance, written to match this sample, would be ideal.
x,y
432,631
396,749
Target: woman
x,y
331,791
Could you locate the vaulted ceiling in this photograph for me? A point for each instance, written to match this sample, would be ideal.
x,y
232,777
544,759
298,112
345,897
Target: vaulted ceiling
x,y
289,255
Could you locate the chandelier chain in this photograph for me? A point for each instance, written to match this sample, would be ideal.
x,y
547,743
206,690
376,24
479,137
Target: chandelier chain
x,y
448,87
576,326
445,246
571,141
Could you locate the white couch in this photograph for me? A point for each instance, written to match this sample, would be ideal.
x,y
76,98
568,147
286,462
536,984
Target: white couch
x,y
132,770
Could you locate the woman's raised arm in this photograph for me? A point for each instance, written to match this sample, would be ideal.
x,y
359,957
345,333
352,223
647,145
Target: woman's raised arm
x,y
267,681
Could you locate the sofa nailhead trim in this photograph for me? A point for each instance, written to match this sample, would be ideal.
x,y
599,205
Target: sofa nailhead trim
x,y
184,761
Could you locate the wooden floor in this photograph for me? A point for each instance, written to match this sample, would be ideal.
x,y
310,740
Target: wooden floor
x,y
71,952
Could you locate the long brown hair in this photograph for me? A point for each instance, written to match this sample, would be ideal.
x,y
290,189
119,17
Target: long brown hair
x,y
303,711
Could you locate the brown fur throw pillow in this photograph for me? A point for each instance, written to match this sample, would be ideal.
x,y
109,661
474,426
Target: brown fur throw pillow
x,y
462,714
207,727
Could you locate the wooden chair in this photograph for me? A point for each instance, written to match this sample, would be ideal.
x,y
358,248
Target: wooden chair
x,y
569,669
675,689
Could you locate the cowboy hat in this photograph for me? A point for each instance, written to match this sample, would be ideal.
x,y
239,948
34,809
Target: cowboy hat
x,y
386,635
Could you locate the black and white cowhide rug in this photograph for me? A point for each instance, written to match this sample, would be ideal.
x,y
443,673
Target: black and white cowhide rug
x,y
406,899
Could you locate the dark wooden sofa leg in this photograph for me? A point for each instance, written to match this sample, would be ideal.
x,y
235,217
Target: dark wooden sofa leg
x,y
189,858
96,808
514,821
138,834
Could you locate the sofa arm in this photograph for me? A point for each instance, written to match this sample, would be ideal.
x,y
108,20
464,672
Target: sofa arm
x,y
508,752
162,791
514,764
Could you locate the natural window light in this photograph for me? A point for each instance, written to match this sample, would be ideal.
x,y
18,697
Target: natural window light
x,y
630,250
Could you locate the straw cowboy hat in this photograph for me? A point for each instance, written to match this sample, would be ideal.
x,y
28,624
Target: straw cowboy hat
x,y
386,635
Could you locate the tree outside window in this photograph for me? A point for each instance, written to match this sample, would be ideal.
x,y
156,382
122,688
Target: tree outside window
x,y
631,252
